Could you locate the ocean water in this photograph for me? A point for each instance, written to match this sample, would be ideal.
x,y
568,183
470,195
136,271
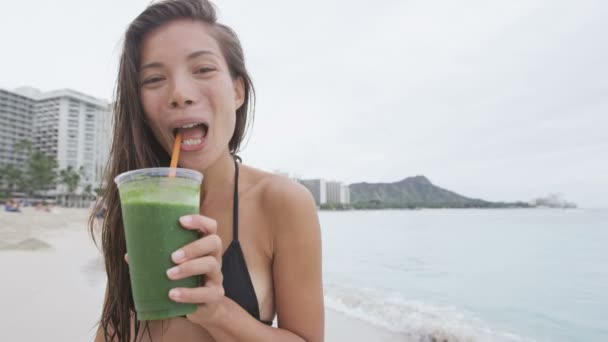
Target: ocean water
x,y
471,275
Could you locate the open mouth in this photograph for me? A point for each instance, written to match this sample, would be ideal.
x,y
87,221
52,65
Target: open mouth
x,y
192,134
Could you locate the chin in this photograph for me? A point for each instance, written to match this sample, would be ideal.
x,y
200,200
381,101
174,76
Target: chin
x,y
199,161
198,164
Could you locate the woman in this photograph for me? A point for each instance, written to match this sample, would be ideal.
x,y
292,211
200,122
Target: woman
x,y
180,70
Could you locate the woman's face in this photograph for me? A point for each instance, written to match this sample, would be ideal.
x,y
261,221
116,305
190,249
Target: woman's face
x,y
186,86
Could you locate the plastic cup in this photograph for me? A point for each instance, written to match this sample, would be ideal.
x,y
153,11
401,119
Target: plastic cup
x,y
151,205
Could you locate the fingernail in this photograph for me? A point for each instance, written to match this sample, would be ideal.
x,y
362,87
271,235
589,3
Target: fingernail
x,y
178,255
172,271
185,219
174,293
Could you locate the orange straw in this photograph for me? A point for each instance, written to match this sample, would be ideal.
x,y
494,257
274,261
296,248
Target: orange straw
x,y
175,154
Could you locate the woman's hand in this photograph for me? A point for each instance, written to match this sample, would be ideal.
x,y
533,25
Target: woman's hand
x,y
201,257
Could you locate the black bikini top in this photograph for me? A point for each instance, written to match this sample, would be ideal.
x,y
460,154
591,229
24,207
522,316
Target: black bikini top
x,y
237,281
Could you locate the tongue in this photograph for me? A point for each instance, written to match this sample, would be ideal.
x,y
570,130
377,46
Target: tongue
x,y
195,132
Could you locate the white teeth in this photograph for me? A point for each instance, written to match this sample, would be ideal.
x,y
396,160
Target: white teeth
x,y
192,142
189,125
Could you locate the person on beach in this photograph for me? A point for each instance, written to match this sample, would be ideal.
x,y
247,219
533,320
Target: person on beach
x,y
99,208
12,206
260,250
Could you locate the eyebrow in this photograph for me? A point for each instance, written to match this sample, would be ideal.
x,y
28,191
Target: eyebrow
x,y
190,56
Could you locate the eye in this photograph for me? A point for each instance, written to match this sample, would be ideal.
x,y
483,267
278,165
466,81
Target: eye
x,y
204,70
153,79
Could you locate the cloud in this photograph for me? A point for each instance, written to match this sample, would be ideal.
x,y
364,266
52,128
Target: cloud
x,y
497,100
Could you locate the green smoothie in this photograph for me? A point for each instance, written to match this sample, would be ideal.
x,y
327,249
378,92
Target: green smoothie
x,y
151,208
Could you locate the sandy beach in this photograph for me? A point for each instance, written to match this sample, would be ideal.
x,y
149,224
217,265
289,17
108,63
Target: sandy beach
x,y
54,279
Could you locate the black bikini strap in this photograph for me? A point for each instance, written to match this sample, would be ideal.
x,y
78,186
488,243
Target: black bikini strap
x,y
235,201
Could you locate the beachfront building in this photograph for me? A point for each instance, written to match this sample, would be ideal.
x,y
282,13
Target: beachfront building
x,y
72,127
338,193
318,189
16,121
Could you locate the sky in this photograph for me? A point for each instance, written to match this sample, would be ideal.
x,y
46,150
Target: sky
x,y
499,100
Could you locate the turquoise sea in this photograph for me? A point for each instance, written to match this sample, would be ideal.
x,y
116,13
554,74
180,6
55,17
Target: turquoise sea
x,y
471,275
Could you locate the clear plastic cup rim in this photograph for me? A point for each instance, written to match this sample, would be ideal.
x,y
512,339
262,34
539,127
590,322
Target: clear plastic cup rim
x,y
158,172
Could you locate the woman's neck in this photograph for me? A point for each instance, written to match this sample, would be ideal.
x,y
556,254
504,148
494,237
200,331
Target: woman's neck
x,y
218,179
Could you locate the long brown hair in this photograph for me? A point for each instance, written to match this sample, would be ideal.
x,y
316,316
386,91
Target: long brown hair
x,y
134,145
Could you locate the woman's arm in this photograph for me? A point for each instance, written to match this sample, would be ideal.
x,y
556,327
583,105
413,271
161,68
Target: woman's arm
x,y
297,275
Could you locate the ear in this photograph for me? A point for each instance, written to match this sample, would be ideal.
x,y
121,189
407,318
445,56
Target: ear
x,y
239,92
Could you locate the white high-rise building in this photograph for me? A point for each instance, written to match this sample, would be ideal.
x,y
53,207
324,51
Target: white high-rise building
x,y
74,128
71,127
16,119
338,192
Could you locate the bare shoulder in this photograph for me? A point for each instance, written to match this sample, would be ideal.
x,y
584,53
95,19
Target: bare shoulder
x,y
283,199
276,190
281,193
296,251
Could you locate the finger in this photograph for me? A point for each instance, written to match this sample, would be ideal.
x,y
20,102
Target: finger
x,y
208,245
201,223
197,295
208,266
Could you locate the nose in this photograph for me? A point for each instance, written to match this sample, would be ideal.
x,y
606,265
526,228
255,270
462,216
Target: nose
x,y
180,103
183,94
